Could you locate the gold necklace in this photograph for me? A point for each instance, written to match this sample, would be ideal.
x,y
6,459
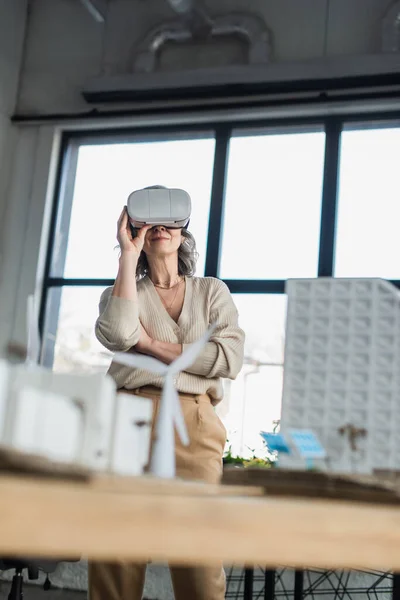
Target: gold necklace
x,y
163,286
174,298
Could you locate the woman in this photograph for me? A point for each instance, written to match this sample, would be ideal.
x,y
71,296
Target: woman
x,y
156,307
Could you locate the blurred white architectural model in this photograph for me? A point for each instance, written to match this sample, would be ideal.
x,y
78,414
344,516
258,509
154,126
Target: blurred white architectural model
x,y
73,418
341,373
81,419
77,419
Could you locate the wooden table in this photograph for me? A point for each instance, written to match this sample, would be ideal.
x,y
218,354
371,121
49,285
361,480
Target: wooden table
x,y
185,523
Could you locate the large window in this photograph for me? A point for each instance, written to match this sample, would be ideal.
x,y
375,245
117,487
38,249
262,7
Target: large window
x,y
253,401
368,241
273,205
271,201
75,345
96,182
106,174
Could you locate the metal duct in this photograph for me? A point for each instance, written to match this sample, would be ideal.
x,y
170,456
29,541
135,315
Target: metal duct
x,y
195,17
182,6
391,29
246,26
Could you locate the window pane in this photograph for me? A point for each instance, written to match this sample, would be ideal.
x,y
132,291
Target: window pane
x,y
71,339
273,206
367,238
106,174
253,401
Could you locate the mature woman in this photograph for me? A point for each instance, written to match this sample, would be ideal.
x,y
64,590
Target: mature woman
x,y
156,307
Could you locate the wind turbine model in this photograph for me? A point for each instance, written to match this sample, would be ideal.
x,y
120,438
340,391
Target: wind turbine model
x,y
170,415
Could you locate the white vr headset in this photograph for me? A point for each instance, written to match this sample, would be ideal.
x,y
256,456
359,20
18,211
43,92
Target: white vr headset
x,y
159,206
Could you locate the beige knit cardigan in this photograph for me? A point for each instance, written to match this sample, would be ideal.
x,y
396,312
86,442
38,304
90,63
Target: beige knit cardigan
x,y
207,300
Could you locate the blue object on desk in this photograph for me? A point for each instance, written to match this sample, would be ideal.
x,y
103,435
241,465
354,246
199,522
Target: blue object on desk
x,y
276,442
307,444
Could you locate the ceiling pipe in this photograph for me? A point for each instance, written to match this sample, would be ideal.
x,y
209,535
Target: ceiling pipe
x,y
92,7
391,29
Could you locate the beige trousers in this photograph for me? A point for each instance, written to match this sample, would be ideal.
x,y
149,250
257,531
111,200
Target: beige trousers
x,y
201,460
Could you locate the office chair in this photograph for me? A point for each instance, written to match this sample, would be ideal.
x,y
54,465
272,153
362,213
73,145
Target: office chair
x,y
33,567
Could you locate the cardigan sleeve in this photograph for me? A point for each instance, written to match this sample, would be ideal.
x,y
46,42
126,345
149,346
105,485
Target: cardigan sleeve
x,y
223,354
118,326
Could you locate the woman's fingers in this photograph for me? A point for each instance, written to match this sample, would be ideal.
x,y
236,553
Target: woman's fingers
x,y
138,241
123,218
122,215
124,234
142,232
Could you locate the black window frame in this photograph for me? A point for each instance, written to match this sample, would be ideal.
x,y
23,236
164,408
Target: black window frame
x,y
223,130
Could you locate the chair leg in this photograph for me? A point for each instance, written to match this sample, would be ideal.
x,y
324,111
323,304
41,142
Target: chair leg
x,y
16,586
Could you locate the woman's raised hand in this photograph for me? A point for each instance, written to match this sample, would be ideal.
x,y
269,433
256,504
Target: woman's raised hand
x,y
126,241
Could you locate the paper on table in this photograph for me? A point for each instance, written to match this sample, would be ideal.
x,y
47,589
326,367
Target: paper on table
x,y
170,415
33,336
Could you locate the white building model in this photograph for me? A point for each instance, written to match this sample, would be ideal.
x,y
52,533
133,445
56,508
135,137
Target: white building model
x,y
342,370
82,420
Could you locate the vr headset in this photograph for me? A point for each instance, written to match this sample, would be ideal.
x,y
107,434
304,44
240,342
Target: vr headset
x,y
159,206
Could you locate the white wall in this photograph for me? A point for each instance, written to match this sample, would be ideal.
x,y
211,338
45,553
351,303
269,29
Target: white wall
x,y
13,17
12,32
65,46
